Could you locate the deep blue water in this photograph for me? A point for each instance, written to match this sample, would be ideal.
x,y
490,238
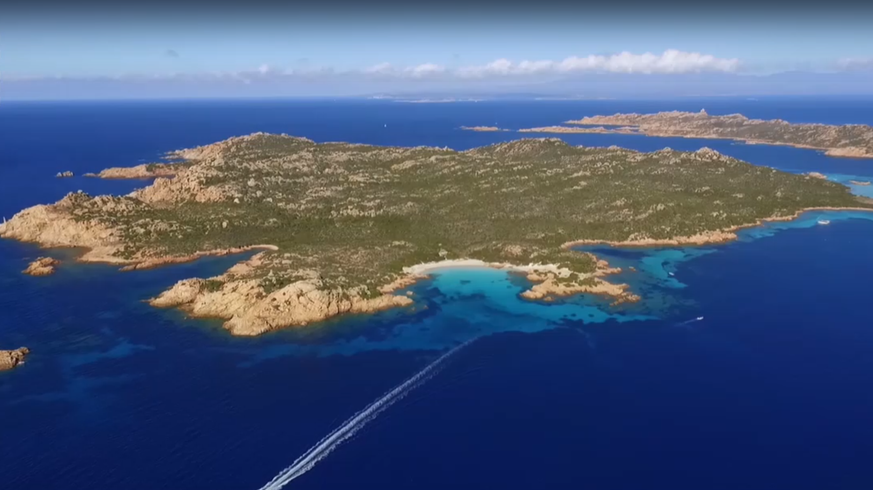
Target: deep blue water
x,y
771,390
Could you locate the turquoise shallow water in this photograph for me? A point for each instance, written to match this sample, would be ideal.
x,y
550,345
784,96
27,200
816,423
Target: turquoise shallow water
x,y
770,390
861,190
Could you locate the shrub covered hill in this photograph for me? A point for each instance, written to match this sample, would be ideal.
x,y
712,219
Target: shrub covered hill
x,y
342,225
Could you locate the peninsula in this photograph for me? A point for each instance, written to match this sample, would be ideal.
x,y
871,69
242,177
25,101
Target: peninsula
x,y
852,140
342,227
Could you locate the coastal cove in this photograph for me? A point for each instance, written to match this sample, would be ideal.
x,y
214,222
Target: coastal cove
x,y
575,377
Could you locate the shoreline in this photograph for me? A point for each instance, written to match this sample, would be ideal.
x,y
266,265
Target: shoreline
x,y
416,272
426,268
725,235
158,262
91,255
544,278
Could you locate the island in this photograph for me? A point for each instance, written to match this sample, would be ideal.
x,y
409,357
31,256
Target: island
x,y
337,228
43,266
65,174
851,140
482,128
10,359
860,182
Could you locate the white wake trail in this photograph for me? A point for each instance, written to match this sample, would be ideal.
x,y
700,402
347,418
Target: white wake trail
x,y
331,441
689,322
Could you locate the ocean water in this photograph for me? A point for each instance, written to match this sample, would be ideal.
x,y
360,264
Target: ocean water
x,y
771,389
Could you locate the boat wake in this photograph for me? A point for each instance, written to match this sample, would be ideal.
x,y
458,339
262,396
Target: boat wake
x,y
689,322
351,426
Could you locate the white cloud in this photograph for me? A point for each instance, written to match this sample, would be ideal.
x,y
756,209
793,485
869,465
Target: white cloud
x,y
670,61
424,70
380,69
855,63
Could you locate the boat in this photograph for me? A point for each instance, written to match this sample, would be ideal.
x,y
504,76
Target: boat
x,y
699,318
824,222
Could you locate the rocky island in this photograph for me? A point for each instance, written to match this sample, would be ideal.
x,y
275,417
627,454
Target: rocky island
x,y
42,266
852,140
10,359
340,228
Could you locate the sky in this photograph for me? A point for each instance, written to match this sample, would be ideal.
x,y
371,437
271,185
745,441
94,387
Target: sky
x,y
47,51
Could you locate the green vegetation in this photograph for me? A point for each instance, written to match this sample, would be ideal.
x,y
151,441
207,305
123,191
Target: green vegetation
x,y
212,285
354,215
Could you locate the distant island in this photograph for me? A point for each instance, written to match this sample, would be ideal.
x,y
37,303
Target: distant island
x,y
852,140
482,128
340,228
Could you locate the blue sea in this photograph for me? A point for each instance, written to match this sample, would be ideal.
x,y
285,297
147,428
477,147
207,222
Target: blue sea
x,y
772,389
